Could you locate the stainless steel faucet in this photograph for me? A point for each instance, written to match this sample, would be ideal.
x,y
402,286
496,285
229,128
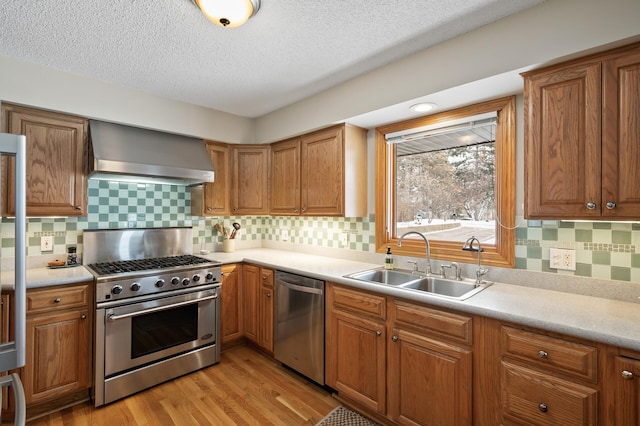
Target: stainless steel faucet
x,y
452,265
427,268
468,245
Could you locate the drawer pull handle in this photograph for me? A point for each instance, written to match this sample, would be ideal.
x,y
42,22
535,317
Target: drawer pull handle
x,y
627,375
394,338
543,354
378,333
543,407
57,300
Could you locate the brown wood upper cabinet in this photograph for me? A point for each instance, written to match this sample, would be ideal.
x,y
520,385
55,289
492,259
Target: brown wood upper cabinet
x,y
56,162
214,199
250,179
582,157
323,173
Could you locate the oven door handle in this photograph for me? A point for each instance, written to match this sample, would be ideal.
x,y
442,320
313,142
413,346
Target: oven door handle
x,y
112,317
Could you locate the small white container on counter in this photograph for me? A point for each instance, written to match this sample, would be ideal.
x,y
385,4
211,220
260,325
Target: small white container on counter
x,y
228,245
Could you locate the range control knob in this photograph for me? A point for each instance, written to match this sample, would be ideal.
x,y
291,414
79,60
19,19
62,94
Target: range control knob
x,y
175,280
195,278
117,289
185,281
135,287
159,283
209,276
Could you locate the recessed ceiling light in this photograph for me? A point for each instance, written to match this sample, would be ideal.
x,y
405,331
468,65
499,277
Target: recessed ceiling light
x,y
423,107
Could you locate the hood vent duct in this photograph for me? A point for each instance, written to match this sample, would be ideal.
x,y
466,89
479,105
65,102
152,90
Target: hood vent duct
x,y
131,154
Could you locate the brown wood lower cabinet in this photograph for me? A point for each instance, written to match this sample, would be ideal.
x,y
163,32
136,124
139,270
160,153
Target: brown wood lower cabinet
x,y
231,317
58,369
401,360
258,305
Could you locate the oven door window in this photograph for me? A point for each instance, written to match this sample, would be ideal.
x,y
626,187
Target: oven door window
x,y
164,329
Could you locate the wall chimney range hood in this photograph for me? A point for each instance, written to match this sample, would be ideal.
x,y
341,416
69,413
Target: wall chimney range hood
x,y
132,154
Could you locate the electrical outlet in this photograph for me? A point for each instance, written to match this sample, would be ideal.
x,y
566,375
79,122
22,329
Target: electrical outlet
x,y
284,234
46,243
344,239
562,259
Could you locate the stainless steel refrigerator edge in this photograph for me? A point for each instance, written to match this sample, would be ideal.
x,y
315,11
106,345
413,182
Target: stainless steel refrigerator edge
x,y
13,354
299,324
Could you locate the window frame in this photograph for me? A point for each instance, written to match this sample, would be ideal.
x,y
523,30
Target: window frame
x,y
501,254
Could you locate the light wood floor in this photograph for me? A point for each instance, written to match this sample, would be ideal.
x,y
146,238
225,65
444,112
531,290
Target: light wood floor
x,y
245,388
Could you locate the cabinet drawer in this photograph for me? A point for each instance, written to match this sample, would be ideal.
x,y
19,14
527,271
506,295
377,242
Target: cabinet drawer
x,y
361,302
547,352
266,277
444,324
533,398
43,300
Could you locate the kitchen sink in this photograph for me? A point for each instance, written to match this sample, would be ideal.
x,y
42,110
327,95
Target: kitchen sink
x,y
385,276
453,289
432,285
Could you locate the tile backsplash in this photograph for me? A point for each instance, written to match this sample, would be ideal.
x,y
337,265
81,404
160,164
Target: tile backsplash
x,y
603,250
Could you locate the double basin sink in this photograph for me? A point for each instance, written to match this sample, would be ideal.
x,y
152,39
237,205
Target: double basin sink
x,y
431,284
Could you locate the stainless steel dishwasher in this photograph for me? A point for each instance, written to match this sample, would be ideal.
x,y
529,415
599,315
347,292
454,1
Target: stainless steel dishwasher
x,y
299,324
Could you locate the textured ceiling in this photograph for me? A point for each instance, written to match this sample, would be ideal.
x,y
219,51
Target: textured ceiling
x,y
290,50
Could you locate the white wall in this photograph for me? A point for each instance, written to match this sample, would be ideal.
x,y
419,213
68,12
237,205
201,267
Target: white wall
x,y
551,30
35,85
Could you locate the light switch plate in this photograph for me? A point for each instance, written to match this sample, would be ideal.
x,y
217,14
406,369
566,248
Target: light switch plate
x,y
284,234
344,239
46,243
562,259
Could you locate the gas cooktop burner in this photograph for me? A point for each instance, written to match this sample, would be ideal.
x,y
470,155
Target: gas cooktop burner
x,y
124,266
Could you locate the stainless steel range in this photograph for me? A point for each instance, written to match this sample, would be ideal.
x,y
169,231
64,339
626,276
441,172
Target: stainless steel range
x,y
157,308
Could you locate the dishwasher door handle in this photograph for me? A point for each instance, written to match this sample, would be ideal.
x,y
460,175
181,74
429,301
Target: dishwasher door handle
x,y
300,288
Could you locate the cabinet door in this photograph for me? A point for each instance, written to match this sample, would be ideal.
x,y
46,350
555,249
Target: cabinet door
x,y
231,316
285,178
266,318
322,173
250,182
214,198
56,162
626,399
562,143
356,365
620,136
251,287
58,355
429,381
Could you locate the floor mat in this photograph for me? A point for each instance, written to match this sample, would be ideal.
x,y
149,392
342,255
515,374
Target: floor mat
x,y
342,416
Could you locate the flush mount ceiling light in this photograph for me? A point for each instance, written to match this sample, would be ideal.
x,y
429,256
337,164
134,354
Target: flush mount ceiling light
x,y
228,13
423,107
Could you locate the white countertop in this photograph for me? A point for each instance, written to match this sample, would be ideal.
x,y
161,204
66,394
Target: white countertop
x,y
594,318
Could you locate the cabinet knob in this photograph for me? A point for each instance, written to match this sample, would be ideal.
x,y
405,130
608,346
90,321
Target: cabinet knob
x,y
543,354
543,407
394,338
235,209
268,294
295,210
78,207
610,205
209,209
57,300
304,209
264,277
627,375
378,333
591,205
83,316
